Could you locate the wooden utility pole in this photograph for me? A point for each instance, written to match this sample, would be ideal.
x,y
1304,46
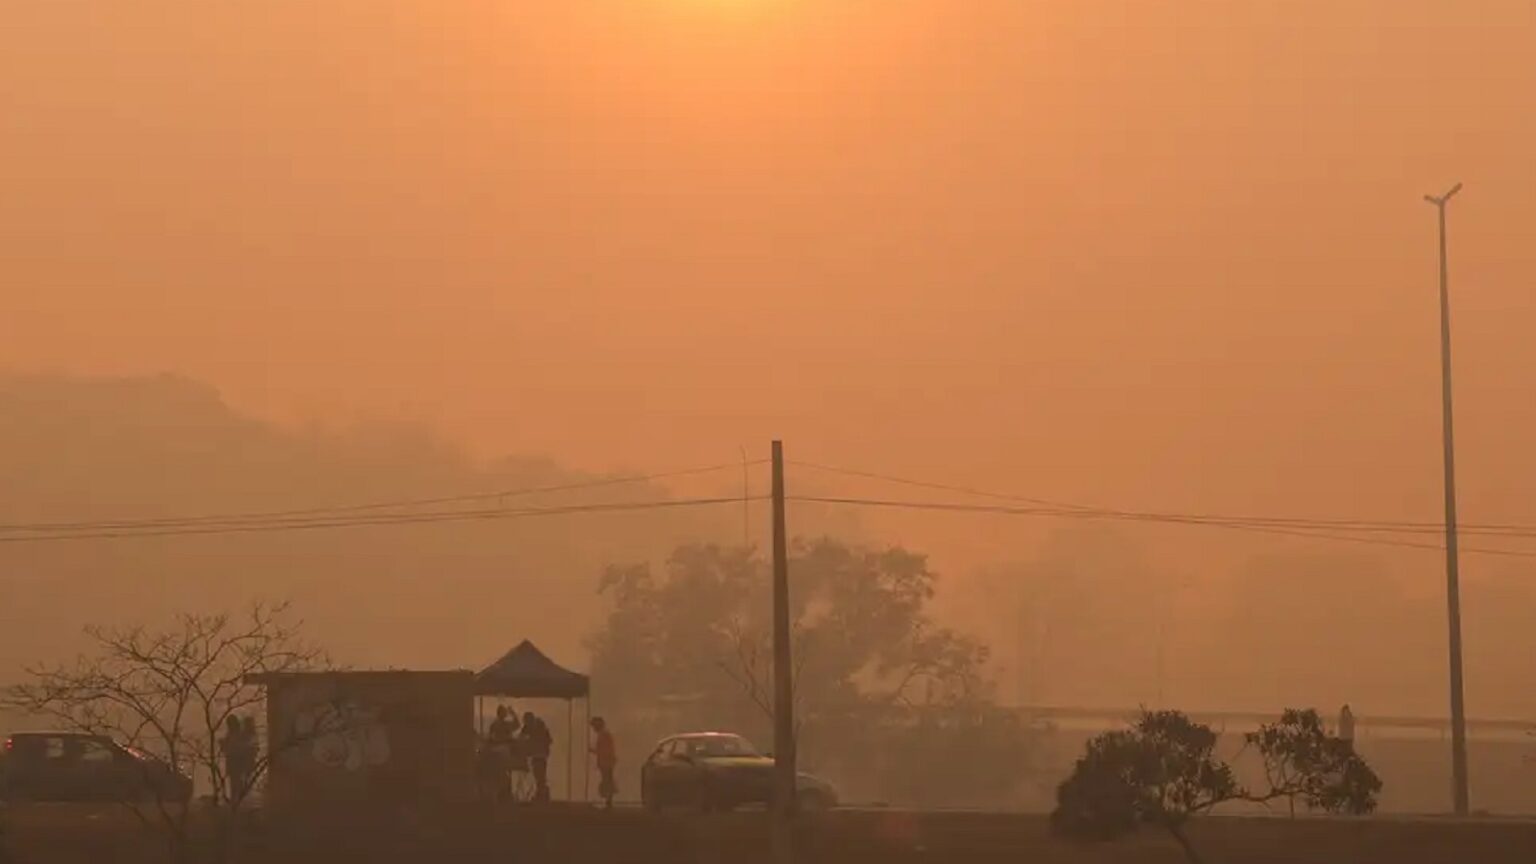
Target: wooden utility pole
x,y
1459,792
783,679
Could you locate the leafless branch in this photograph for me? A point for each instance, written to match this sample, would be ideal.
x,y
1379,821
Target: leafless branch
x,y
171,694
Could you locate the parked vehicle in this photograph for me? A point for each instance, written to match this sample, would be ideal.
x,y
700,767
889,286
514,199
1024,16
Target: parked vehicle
x,y
719,771
68,766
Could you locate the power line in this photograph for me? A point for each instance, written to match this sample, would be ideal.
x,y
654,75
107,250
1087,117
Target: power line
x,y
262,517
1060,512
1359,525
361,521
363,515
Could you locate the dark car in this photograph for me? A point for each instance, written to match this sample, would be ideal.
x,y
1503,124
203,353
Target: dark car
x,y
719,771
67,766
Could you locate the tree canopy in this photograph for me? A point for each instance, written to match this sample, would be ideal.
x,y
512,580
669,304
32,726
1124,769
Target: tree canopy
x,y
688,644
1164,771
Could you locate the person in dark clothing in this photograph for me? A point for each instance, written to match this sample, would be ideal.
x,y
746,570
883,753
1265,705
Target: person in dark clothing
x,y
1347,725
252,739
503,729
239,746
230,745
501,749
537,742
607,759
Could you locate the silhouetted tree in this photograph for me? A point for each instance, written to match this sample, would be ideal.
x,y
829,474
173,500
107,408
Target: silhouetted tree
x,y
170,693
861,629
1163,771
1302,761
871,664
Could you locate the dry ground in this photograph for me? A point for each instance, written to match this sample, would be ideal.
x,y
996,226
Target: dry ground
x,y
65,835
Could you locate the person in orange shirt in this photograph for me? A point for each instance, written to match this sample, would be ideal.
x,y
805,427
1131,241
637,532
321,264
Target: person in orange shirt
x,y
607,757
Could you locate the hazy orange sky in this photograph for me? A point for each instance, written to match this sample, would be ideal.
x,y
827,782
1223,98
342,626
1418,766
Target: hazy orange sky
x,y
1162,255
1143,254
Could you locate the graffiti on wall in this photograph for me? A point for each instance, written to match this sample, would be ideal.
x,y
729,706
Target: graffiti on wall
x,y
345,735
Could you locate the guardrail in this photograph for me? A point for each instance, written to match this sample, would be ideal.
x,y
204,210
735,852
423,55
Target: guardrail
x,y
1224,719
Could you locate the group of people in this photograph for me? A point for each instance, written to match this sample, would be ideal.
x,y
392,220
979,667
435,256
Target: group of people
x,y
513,745
241,749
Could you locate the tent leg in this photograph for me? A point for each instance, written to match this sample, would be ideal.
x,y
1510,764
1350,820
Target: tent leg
x,y
570,747
586,758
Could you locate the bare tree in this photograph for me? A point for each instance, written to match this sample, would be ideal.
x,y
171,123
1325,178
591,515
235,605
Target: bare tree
x,y
751,667
171,693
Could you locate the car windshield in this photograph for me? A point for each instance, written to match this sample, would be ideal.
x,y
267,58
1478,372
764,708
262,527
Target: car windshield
x,y
719,745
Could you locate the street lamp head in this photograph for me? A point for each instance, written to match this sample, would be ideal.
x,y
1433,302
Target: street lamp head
x,y
1442,200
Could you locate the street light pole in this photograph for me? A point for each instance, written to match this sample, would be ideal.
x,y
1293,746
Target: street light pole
x,y
1452,576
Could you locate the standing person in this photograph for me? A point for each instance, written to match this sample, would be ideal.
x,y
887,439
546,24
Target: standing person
x,y
1347,725
607,758
503,729
252,755
501,746
230,745
537,742
237,760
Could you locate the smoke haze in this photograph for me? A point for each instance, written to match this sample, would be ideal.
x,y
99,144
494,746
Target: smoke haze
x,y
1150,256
